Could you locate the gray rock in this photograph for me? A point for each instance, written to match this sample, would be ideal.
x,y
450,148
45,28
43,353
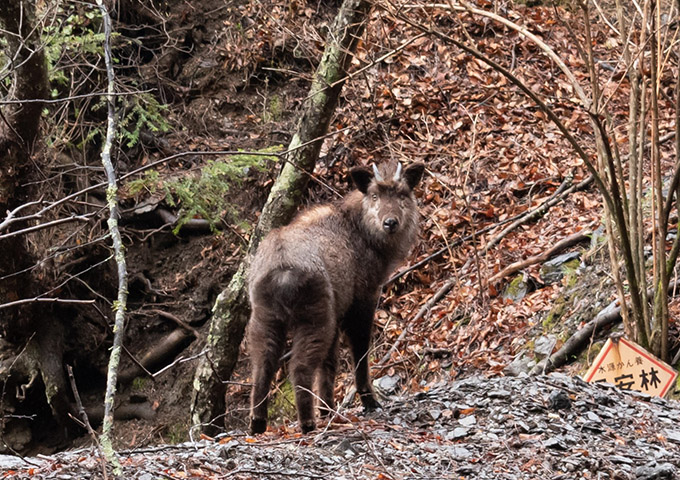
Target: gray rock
x,y
387,384
457,433
559,400
554,269
544,345
673,435
468,421
654,471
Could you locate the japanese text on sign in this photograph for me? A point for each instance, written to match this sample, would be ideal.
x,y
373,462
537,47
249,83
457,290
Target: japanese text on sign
x,y
630,367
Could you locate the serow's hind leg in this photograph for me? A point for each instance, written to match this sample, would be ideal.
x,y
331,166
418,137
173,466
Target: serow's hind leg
x,y
310,349
326,379
266,338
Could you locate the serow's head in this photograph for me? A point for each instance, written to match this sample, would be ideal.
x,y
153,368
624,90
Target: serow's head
x,y
389,204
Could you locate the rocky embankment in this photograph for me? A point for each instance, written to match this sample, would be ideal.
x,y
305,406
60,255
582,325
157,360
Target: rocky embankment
x,y
545,427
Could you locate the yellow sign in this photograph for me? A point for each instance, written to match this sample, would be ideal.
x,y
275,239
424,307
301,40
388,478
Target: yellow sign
x,y
630,367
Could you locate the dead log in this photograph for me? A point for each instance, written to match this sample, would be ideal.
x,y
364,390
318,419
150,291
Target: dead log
x,y
610,315
159,354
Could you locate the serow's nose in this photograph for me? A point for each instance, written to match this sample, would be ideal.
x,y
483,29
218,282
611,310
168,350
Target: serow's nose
x,y
390,225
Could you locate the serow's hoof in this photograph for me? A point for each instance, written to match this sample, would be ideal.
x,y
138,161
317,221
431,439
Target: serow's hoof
x,y
257,425
370,403
307,427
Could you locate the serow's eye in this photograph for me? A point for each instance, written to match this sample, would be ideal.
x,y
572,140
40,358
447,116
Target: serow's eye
x,y
374,196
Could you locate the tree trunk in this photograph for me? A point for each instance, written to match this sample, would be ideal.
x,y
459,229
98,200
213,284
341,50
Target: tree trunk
x,y
19,132
19,127
230,313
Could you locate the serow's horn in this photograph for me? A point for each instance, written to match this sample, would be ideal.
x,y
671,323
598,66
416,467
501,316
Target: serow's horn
x,y
397,174
376,174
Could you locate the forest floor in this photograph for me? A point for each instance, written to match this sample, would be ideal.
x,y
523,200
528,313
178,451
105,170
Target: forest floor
x,y
491,157
505,428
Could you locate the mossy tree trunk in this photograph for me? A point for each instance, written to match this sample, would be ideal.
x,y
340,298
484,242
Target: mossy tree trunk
x,y
231,311
19,135
19,128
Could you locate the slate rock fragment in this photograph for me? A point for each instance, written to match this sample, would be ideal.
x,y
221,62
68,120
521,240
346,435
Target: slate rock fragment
x,y
559,400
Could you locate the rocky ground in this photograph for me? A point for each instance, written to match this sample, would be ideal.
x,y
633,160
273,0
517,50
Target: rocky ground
x,y
545,427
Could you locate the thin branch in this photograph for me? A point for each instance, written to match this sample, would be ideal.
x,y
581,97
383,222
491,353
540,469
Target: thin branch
x,y
83,416
53,223
542,257
112,200
12,214
74,97
43,300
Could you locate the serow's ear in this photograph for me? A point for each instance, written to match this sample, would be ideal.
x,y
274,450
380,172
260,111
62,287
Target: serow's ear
x,y
361,176
413,174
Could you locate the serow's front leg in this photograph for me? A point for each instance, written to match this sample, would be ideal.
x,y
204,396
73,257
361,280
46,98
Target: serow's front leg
x,y
358,326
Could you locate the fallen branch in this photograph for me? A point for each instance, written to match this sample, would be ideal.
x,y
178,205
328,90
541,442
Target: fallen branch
x,y
542,257
560,194
443,290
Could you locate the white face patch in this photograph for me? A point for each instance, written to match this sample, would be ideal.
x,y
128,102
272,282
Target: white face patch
x,y
372,213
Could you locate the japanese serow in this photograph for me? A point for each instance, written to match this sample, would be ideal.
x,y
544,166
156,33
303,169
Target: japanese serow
x,y
321,275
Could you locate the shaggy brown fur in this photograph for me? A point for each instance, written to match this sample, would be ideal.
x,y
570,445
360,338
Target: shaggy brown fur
x,y
320,274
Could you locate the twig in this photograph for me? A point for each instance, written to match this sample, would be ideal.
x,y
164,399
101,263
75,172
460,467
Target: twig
x,y
179,360
112,200
83,417
74,97
12,214
45,300
59,221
